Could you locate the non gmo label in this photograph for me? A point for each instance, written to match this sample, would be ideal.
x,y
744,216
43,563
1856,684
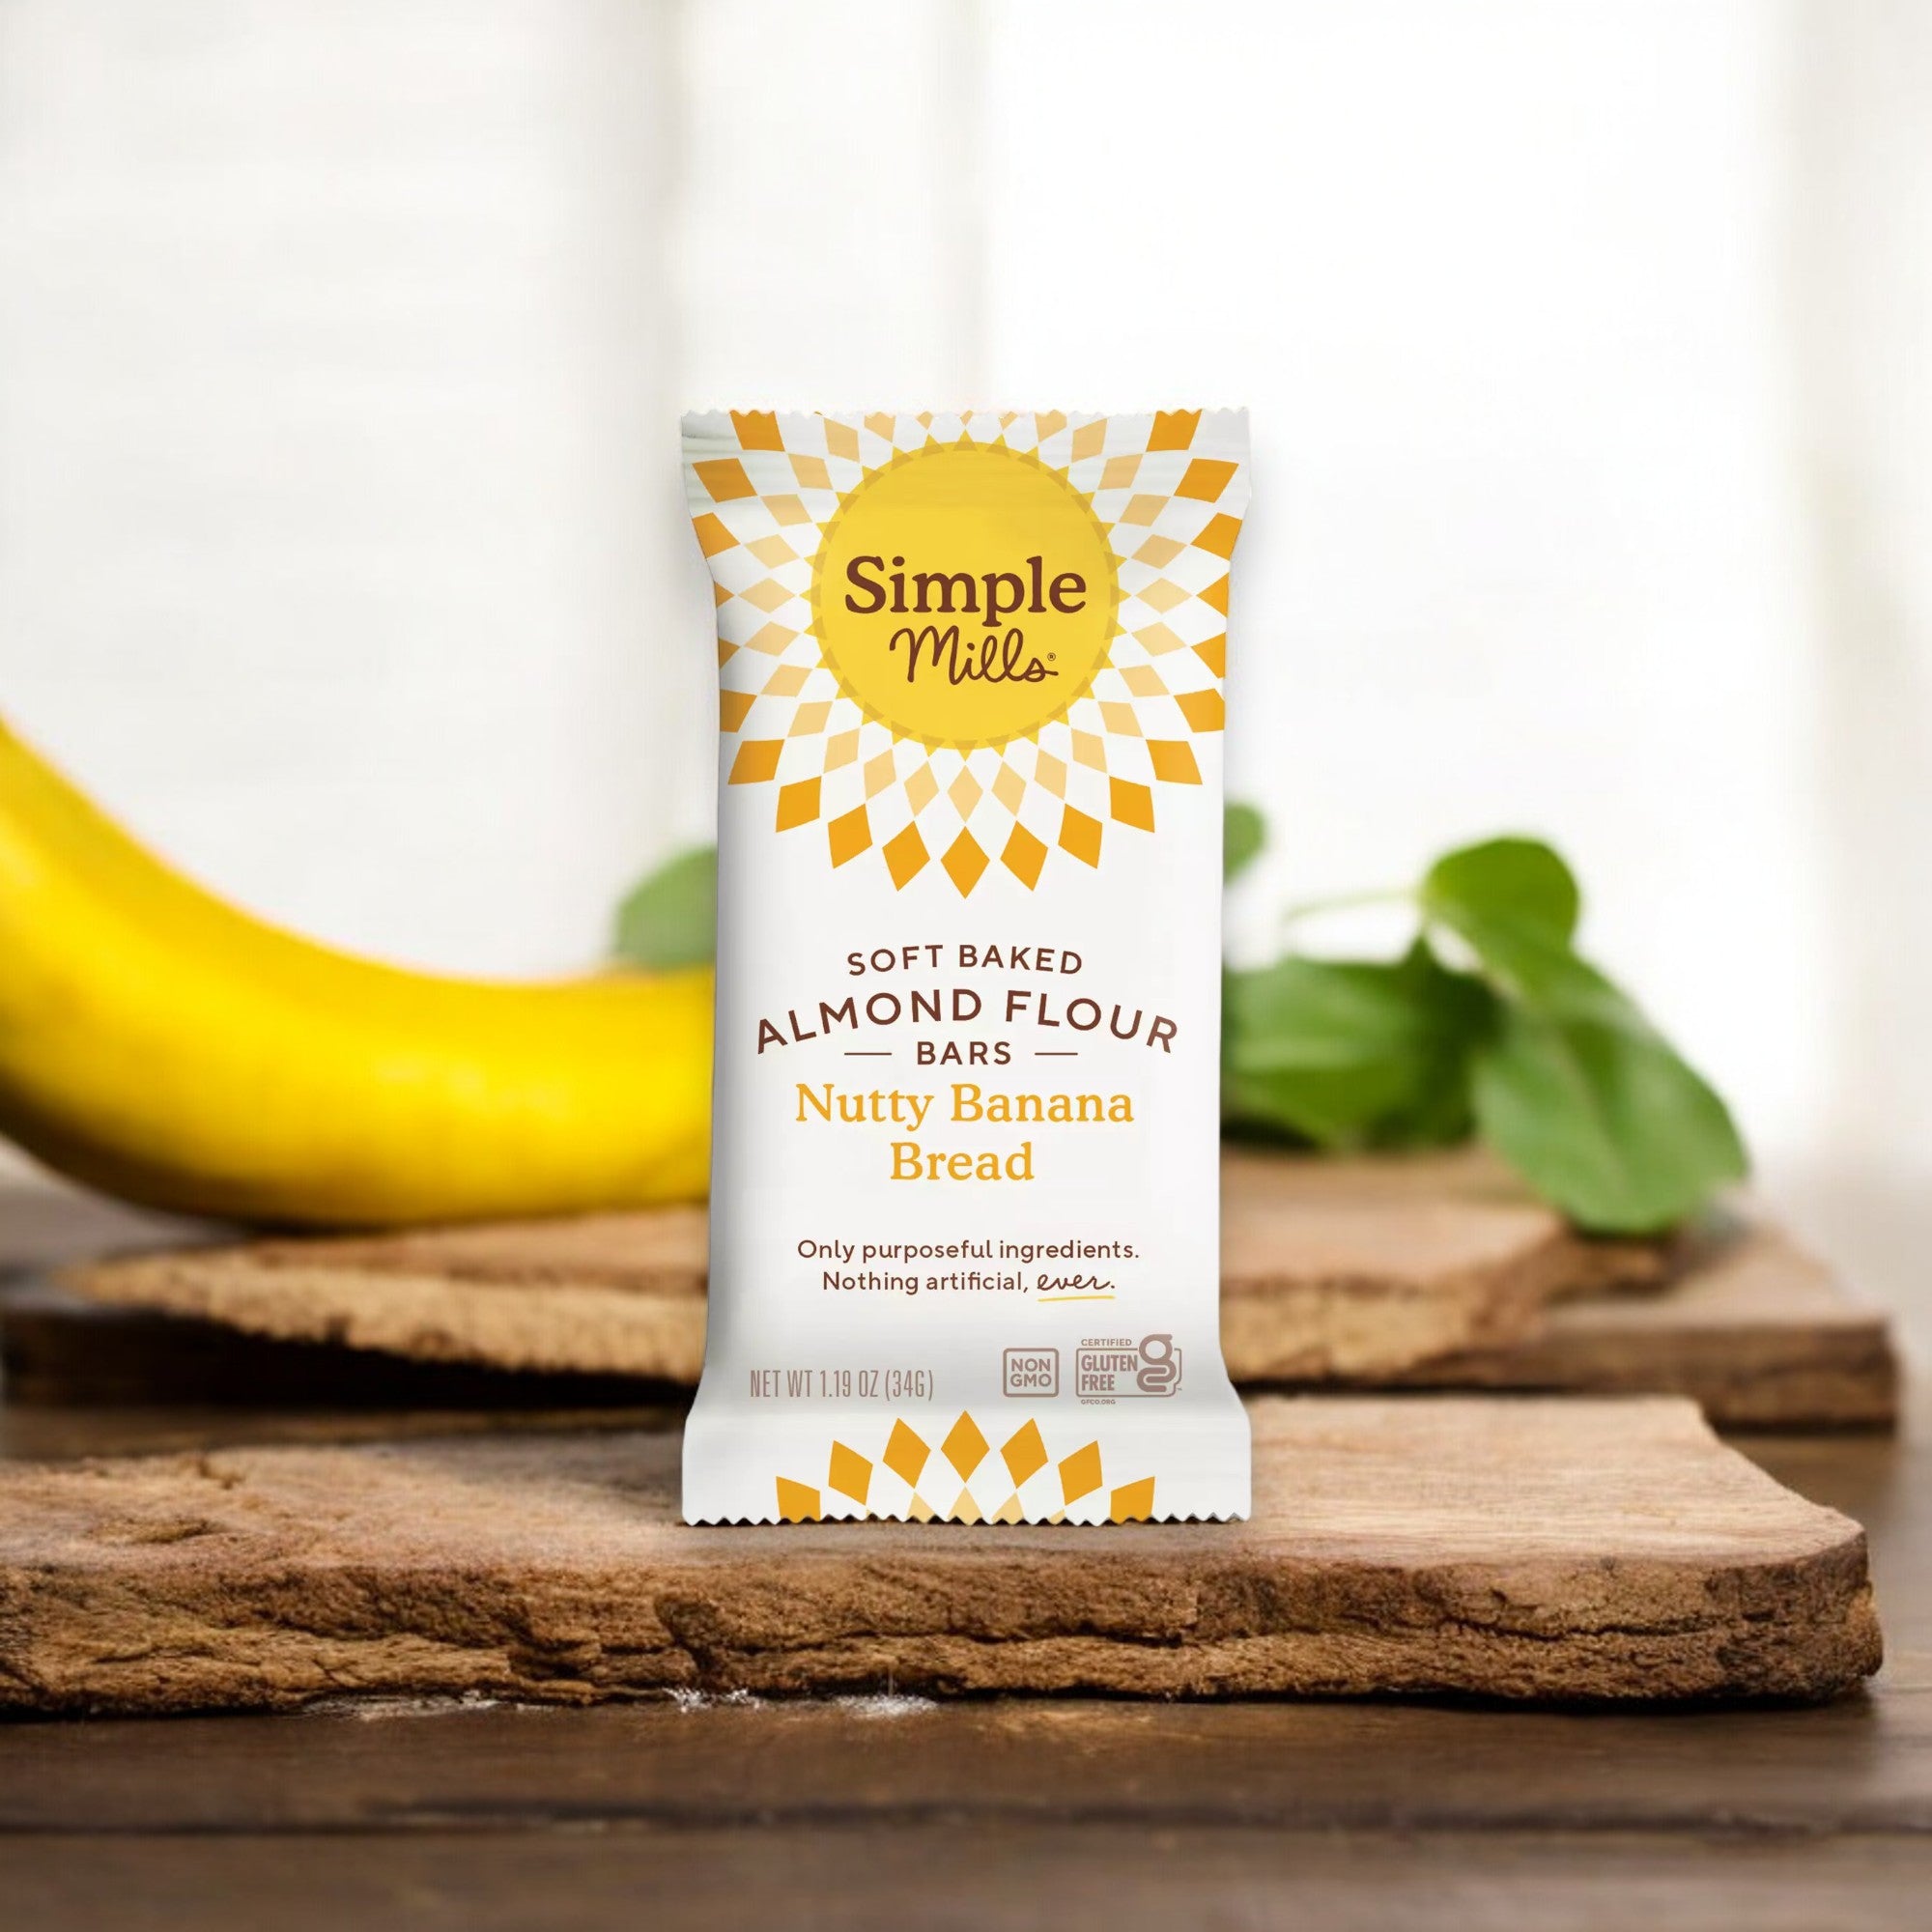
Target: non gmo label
x,y
1032,1373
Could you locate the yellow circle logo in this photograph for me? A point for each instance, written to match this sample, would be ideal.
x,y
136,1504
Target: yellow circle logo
x,y
964,595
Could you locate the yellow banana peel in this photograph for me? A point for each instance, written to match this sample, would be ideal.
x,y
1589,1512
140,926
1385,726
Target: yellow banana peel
x,y
162,1046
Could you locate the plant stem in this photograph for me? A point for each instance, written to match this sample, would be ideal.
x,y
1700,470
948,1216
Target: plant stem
x,y
1345,902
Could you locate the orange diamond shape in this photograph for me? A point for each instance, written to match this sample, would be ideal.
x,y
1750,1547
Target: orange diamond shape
x,y
758,760
1133,1502
965,1448
712,535
1203,709
851,1473
1174,429
725,479
1080,834
798,804
964,862
797,1502
1128,803
758,429
1218,538
1173,761
849,835
905,1453
1206,479
1023,857
1025,1453
1080,1473
905,855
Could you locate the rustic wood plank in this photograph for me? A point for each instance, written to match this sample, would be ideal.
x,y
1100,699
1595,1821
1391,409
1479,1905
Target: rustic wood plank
x,y
1513,1547
1756,1330
56,1348
1333,1268
1750,1327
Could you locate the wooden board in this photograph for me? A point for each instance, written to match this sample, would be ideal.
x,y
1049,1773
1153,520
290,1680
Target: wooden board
x,y
1754,1329
1350,1269
1527,1549
1757,1333
1434,1274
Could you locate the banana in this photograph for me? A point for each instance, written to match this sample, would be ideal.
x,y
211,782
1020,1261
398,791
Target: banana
x,y
162,1046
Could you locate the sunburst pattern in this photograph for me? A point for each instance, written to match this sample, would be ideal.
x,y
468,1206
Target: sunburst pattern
x,y
1020,1481
766,488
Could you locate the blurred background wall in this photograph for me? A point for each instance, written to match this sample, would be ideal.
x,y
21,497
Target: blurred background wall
x,y
1589,348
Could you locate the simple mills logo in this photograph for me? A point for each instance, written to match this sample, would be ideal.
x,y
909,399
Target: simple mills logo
x,y
965,595
972,648
1111,1369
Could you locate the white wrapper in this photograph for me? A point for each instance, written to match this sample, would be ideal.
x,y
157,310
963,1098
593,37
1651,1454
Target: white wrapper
x,y
964,1210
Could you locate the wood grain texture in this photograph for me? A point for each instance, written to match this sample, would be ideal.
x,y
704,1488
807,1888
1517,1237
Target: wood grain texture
x,y
1522,1548
940,1876
1349,1268
1755,1329
1427,1273
1758,1333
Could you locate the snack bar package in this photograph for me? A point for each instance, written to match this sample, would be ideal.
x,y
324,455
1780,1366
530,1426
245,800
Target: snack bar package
x,y
965,1177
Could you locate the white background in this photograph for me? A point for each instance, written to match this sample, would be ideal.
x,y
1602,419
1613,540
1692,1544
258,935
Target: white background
x,y
1589,348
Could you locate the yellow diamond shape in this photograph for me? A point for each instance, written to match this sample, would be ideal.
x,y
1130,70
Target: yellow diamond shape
x,y
1023,857
1132,1502
1010,1511
797,1502
905,855
964,862
1080,1473
906,1455
965,791
919,1510
965,1509
850,1474
769,595
965,1448
1025,1453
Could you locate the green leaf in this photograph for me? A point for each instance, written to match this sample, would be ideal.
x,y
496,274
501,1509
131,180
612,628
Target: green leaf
x,y
670,919
1601,1118
1243,834
1532,969
1350,1055
1573,1086
1503,885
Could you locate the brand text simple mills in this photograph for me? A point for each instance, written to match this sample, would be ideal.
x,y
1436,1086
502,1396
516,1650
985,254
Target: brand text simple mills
x,y
992,596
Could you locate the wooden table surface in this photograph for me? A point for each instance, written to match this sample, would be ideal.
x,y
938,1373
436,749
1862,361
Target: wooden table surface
x,y
893,1812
